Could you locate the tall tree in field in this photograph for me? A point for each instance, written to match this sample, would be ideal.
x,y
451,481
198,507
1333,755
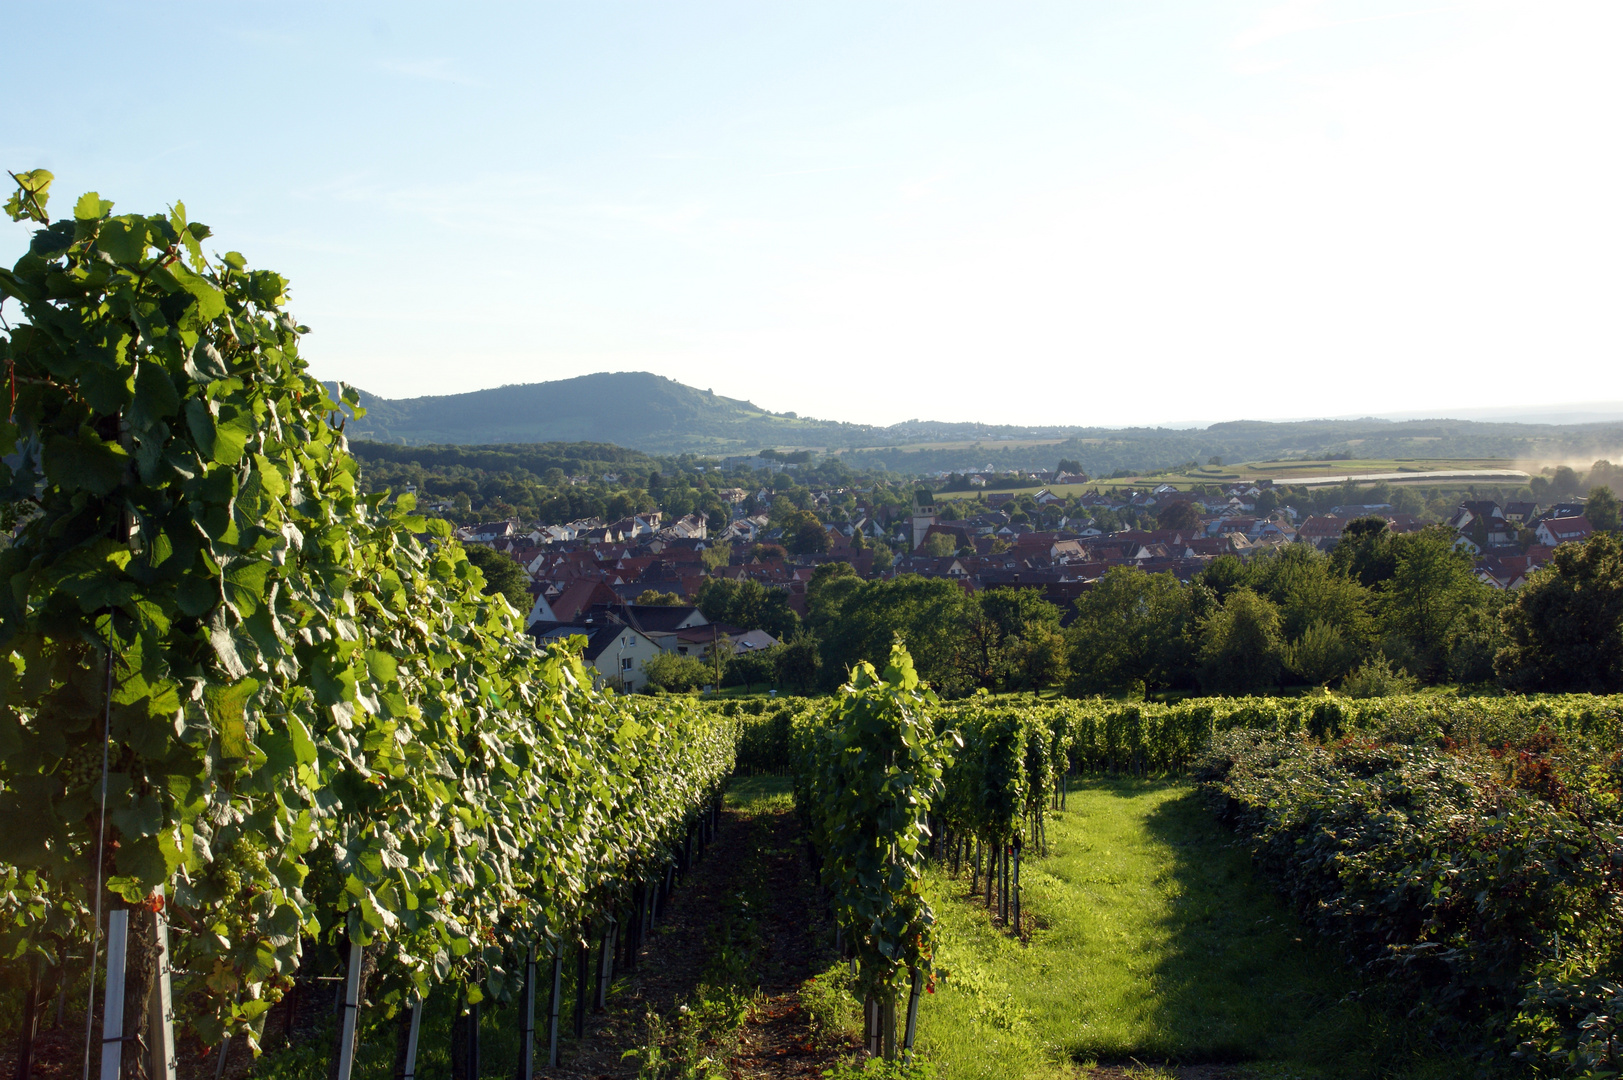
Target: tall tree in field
x,y
1180,515
927,614
1602,509
1566,625
1240,648
1131,629
1432,589
502,575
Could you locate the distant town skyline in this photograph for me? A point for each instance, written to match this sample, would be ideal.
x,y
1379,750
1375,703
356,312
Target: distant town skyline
x,y
1103,214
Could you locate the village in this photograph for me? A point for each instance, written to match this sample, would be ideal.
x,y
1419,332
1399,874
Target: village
x,y
632,587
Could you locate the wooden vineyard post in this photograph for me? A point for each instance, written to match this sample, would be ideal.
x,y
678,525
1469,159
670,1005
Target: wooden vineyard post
x,y
414,1025
526,1068
1014,890
605,964
1003,882
557,992
164,1063
873,1040
912,1028
30,1024
991,873
887,1024
352,1008
112,1010
583,975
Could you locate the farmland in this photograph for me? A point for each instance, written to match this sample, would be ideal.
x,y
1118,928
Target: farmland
x,y
1408,471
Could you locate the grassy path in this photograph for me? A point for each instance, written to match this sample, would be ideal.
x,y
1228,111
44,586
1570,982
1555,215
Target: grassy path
x,y
1153,943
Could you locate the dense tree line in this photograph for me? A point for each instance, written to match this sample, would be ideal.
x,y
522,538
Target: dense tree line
x,y
556,483
1383,612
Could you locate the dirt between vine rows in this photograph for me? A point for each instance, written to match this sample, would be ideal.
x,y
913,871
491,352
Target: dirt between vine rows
x,y
760,857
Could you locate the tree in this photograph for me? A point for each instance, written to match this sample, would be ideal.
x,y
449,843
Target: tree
x,y
808,538
1131,630
825,575
883,559
1180,515
1432,587
716,556
754,666
800,662
1240,648
997,624
1602,509
1068,465
1223,575
655,598
1309,589
747,604
926,613
1038,660
1365,552
938,546
768,551
1564,482
1320,655
677,674
502,575
1565,626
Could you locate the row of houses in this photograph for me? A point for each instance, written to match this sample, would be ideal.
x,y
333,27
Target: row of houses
x,y
586,577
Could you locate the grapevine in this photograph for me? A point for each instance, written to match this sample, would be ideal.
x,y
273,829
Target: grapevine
x,y
302,675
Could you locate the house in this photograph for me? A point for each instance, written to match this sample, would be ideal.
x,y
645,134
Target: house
x,y
1485,522
614,651
576,598
488,532
1505,571
1322,532
1563,530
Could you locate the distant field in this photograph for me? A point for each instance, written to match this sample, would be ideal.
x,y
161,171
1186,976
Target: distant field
x,y
959,444
1369,470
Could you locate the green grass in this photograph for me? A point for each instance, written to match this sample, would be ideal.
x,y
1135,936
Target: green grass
x,y
761,794
1156,944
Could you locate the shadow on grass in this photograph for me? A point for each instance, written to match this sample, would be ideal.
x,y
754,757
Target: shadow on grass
x,y
1235,977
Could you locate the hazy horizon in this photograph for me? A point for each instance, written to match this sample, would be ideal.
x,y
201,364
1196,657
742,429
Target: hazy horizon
x,y
1106,214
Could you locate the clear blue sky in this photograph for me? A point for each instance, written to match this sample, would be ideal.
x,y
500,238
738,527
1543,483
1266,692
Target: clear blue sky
x,y
1096,211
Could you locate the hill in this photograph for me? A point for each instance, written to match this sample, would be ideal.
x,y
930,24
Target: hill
x,y
629,408
657,415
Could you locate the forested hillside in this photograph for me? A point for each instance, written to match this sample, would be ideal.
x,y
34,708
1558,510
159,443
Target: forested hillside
x,y
658,415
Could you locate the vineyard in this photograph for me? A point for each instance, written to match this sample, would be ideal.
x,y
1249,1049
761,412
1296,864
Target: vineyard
x,y
265,740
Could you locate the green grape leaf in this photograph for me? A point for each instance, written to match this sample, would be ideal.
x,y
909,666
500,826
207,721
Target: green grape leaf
x,y
155,396
124,238
245,585
84,462
226,707
91,207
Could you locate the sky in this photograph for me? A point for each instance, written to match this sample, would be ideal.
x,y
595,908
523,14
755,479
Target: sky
x,y
1084,212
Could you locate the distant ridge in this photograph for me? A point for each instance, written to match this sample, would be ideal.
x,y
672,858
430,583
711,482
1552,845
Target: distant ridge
x,y
629,408
657,415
